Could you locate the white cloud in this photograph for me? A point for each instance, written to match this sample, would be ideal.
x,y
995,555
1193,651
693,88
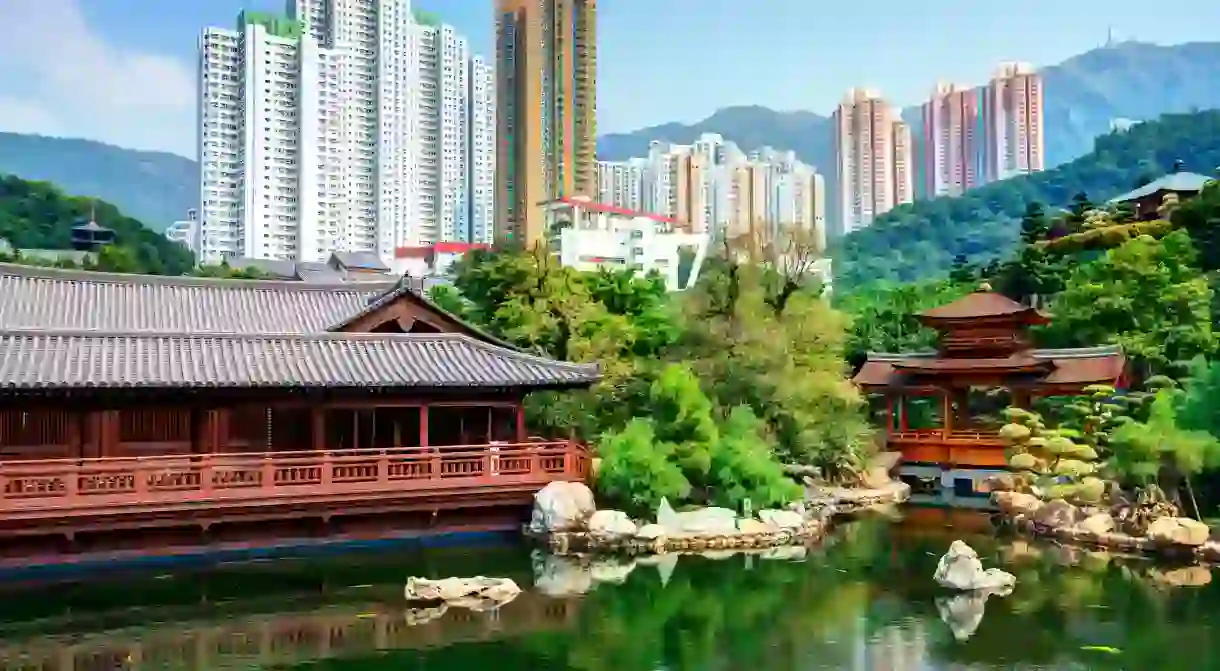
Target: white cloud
x,y
60,77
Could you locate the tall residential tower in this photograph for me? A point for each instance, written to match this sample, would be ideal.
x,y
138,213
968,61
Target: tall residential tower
x,y
347,125
1013,122
546,109
873,159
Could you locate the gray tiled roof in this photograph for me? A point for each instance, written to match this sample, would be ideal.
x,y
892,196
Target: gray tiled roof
x,y
360,261
81,359
1178,182
47,298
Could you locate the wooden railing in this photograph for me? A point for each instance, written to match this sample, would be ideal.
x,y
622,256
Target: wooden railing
x,y
940,436
62,484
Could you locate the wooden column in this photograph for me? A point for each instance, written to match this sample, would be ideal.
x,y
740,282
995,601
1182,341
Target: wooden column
x,y
317,430
904,413
521,423
423,426
947,411
889,414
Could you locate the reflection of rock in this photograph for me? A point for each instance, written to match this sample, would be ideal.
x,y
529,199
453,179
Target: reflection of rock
x,y
562,506
961,569
1019,550
786,553
557,576
611,570
418,616
665,563
1190,576
476,593
611,523
1178,531
964,612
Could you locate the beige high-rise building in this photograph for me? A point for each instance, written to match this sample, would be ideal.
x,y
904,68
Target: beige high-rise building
x,y
873,159
953,141
546,110
1013,123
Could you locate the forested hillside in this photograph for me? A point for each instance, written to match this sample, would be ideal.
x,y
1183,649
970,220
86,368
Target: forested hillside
x,y
37,215
921,240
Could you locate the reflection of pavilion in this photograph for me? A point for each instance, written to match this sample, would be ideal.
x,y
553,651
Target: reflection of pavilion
x,y
285,638
943,407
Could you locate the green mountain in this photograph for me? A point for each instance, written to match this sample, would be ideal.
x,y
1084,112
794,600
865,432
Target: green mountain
x,y
154,187
1084,96
922,239
39,216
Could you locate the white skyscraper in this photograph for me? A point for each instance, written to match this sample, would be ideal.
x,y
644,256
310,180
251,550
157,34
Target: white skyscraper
x,y
345,126
456,117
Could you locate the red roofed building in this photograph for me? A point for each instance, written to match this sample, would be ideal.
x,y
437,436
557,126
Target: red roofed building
x,y
588,235
942,407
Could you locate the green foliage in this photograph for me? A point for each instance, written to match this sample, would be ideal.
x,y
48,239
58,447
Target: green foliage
x,y
37,215
758,342
154,187
1050,459
920,240
884,316
739,372
1142,449
686,452
1145,296
450,300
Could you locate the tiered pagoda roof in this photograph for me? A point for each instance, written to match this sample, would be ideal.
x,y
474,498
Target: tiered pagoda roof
x,y
78,329
986,334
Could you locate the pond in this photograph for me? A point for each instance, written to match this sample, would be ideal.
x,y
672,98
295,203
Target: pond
x,y
864,600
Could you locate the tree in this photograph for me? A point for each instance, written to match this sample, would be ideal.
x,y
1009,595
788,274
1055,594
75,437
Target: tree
x,y
1049,460
1160,452
1146,296
754,343
884,317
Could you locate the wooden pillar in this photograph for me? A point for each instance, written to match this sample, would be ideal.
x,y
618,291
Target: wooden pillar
x,y
317,428
521,422
108,433
76,426
889,414
947,410
904,413
423,426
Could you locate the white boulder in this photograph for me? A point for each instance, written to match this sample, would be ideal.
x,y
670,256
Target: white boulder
x,y
562,506
784,519
1178,531
700,521
477,593
611,523
960,569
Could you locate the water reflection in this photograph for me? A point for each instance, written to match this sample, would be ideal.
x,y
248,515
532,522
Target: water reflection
x,y
863,601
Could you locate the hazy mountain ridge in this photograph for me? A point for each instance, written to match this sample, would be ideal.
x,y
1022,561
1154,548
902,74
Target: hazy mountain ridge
x,y
1084,94
156,188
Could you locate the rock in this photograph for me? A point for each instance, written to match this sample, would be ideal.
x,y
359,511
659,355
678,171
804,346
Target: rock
x,y
1003,482
1013,503
1056,514
699,521
751,526
562,506
1099,524
877,474
611,523
473,593
960,569
1178,531
650,532
783,519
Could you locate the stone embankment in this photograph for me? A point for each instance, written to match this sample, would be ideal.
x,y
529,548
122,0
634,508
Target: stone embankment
x,y
1176,537
566,518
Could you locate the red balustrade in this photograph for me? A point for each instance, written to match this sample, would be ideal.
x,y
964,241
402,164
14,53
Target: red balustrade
x,y
29,486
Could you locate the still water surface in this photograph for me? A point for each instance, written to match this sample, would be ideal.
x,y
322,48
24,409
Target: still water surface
x,y
863,601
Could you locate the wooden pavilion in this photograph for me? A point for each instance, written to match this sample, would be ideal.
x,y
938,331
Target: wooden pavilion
x,y
984,361
204,410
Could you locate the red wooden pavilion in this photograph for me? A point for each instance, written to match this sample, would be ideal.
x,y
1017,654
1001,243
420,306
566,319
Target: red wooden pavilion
x,y
984,345
201,410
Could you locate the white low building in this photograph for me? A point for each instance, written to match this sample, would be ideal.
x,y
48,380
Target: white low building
x,y
591,235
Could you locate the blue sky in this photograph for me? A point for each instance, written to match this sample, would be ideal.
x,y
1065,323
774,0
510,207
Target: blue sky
x,y
122,71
